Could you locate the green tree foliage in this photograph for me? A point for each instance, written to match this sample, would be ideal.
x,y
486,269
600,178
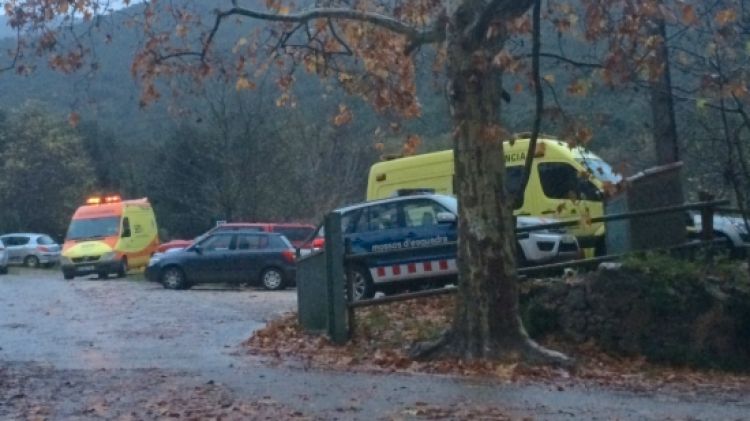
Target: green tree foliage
x,y
108,156
236,162
44,172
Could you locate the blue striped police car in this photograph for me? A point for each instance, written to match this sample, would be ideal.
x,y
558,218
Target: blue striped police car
x,y
411,240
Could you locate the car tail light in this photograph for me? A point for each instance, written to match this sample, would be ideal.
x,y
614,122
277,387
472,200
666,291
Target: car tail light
x,y
289,256
43,249
319,243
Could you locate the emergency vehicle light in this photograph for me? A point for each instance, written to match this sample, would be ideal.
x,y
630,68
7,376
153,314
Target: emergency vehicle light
x,y
98,200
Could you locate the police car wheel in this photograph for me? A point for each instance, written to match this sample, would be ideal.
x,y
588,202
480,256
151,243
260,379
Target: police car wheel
x,y
272,279
361,284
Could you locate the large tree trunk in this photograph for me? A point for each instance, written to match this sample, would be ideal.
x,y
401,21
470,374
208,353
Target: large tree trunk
x,y
486,318
487,322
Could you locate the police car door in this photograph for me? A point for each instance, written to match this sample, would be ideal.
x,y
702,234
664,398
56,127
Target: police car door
x,y
378,229
432,242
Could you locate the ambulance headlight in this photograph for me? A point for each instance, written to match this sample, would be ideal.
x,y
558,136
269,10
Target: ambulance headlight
x,y
65,261
107,256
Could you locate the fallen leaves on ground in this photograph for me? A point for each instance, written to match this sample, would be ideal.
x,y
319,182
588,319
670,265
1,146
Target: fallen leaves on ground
x,y
32,392
385,333
421,410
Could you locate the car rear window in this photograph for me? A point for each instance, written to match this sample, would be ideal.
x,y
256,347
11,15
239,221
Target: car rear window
x,y
20,241
295,233
280,242
45,240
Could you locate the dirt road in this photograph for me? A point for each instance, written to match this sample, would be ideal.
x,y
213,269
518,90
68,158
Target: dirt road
x,y
128,349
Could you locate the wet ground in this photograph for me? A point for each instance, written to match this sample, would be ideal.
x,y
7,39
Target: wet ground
x,y
128,349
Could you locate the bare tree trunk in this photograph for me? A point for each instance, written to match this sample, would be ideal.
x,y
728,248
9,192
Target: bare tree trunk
x,y
662,104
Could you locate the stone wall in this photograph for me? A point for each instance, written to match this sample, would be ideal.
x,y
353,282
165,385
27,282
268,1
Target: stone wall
x,y
692,320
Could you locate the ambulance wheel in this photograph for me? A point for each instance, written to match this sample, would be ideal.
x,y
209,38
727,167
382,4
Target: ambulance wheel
x,y
122,268
521,261
173,277
600,249
361,284
272,279
68,275
31,261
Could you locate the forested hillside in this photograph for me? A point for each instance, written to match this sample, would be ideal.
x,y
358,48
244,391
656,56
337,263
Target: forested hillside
x,y
217,152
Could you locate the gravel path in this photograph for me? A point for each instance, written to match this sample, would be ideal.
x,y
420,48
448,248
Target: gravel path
x,y
128,349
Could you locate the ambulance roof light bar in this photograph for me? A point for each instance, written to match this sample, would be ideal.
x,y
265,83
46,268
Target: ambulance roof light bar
x,y
98,200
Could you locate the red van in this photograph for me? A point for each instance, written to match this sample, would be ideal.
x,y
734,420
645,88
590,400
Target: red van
x,y
296,233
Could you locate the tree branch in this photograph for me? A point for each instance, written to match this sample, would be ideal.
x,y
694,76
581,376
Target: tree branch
x,y
507,9
16,54
564,59
539,93
414,36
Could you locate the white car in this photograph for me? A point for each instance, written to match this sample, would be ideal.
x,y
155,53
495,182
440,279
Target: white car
x,y
3,258
545,246
31,249
732,228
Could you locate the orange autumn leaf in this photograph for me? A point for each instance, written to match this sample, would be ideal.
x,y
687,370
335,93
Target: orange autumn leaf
x,y
74,119
343,117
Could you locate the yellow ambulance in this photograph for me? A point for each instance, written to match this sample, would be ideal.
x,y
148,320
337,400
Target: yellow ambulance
x,y
109,235
565,182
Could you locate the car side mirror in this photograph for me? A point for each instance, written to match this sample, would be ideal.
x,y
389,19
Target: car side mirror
x,y
198,249
445,218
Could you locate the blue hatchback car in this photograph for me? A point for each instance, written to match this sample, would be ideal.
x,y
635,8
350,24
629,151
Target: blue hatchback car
x,y
240,256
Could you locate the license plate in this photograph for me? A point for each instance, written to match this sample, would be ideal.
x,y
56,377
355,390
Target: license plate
x,y
85,268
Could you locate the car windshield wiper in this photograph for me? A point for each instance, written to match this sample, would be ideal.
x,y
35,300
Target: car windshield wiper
x,y
90,237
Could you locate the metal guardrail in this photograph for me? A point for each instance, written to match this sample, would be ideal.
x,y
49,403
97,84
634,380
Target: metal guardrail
x,y
629,215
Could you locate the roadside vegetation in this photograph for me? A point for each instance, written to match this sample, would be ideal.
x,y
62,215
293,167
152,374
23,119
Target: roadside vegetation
x,y
655,321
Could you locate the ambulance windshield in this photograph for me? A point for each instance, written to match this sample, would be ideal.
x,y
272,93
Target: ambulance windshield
x,y
600,169
91,228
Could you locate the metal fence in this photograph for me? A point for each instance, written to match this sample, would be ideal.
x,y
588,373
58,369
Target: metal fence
x,y
325,296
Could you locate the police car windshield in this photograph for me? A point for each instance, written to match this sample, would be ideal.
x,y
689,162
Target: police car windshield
x,y
449,202
600,169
